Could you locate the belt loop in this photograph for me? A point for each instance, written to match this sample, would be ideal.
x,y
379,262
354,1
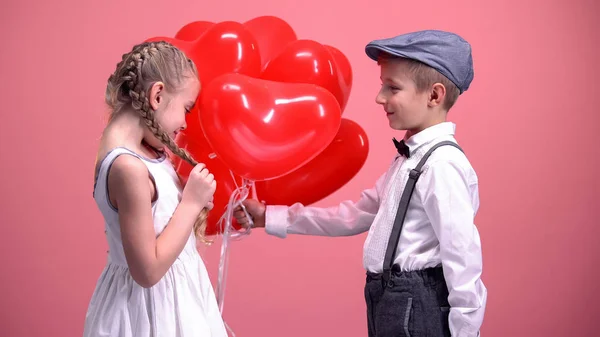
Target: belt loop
x,y
386,277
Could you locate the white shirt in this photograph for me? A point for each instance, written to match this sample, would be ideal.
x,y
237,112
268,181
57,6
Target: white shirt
x,y
438,229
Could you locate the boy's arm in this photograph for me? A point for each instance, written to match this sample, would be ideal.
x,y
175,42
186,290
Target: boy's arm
x,y
348,218
449,193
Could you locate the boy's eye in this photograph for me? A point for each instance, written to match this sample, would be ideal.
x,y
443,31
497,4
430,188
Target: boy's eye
x,y
391,87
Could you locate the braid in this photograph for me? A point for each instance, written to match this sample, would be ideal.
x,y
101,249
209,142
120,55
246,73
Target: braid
x,y
139,101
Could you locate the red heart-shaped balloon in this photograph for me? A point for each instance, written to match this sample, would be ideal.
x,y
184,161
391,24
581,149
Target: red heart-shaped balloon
x,y
225,183
193,30
263,129
323,175
345,70
307,61
272,34
227,47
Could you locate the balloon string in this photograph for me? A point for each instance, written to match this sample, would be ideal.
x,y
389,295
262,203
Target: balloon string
x,y
240,194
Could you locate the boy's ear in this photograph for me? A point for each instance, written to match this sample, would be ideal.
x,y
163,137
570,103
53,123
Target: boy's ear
x,y
156,94
436,95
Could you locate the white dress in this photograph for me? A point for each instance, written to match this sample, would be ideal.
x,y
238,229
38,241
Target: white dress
x,y
181,304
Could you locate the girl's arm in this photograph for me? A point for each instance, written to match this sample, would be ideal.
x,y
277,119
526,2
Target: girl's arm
x,y
148,256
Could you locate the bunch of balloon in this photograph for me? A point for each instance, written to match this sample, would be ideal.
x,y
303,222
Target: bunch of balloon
x,y
268,120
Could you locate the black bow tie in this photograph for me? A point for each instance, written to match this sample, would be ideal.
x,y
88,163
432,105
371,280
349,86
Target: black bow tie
x,y
402,148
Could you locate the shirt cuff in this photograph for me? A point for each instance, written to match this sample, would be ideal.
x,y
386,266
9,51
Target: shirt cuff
x,y
276,221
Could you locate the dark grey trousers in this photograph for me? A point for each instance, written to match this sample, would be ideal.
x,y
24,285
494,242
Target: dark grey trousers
x,y
411,304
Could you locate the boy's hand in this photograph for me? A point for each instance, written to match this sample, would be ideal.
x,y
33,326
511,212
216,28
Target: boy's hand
x,y
256,210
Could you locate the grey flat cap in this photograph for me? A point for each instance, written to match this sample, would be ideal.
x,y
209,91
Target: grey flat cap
x,y
446,52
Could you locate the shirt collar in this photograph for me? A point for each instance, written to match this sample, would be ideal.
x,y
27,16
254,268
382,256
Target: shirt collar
x,y
430,134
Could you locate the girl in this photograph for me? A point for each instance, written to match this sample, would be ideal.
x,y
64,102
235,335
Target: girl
x,y
154,282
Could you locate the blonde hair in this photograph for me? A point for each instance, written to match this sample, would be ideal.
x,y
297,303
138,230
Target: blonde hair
x,y
425,76
146,64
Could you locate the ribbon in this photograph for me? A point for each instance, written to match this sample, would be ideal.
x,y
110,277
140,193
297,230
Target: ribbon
x,y
236,199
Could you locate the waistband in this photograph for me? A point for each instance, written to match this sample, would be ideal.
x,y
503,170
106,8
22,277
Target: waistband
x,y
429,276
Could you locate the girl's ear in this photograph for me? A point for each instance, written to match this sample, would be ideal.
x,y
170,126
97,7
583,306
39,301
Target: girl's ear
x,y
156,95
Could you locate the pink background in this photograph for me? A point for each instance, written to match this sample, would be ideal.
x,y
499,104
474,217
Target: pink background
x,y
529,124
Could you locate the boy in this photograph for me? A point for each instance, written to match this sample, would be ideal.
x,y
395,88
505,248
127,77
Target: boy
x,y
423,252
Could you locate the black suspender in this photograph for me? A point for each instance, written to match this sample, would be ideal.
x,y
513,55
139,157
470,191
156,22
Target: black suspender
x,y
414,174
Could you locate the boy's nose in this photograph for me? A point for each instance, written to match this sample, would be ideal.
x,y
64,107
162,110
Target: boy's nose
x,y
379,99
